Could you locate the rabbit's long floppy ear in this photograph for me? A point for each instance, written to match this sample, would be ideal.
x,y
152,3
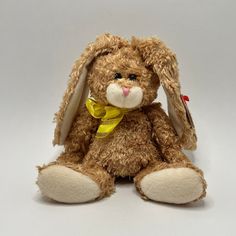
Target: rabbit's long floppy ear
x,y
77,90
163,62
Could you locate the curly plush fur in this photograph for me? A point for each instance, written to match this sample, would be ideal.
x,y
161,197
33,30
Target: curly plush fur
x,y
144,142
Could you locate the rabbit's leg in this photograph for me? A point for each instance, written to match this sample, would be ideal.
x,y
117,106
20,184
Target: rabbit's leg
x,y
175,180
67,180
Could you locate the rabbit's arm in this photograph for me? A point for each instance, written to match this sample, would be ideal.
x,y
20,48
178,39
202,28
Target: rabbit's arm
x,y
163,130
82,131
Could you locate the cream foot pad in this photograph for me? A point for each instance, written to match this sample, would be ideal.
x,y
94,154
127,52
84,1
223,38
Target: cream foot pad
x,y
173,185
66,185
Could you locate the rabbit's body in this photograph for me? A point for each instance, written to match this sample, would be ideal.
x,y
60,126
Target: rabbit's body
x,y
128,149
143,143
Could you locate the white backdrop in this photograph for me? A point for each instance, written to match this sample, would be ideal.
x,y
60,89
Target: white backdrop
x,y
39,40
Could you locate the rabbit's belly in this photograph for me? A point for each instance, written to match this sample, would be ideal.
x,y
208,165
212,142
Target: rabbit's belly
x,y
126,160
128,149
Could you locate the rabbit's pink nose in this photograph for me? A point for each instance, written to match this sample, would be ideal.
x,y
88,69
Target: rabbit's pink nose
x,y
126,91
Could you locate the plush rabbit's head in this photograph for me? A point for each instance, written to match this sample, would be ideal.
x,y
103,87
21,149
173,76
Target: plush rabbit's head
x,y
120,78
126,75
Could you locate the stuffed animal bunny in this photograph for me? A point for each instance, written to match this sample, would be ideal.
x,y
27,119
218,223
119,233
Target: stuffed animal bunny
x,y
119,131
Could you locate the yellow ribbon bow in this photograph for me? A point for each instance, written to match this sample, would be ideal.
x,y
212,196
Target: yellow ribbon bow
x,y
110,116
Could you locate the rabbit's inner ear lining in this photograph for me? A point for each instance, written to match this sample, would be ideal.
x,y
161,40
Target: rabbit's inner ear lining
x,y
105,53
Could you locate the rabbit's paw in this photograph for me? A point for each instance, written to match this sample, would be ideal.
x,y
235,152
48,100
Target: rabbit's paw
x,y
173,185
65,185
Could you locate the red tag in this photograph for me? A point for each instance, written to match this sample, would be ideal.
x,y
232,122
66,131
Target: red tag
x,y
185,98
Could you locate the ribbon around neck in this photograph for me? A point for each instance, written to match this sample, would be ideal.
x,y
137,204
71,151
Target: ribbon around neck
x,y
110,116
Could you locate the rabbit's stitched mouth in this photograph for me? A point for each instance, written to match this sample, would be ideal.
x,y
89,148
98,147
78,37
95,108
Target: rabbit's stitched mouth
x,y
124,97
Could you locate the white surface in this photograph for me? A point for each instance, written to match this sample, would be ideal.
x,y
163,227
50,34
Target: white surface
x,y
39,41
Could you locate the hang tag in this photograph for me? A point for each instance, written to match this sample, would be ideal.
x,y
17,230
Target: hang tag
x,y
184,100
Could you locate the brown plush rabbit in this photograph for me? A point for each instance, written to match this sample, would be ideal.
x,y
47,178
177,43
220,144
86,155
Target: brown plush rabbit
x,y
119,131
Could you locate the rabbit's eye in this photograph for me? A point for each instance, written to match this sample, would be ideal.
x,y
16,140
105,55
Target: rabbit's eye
x,y
132,77
117,76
